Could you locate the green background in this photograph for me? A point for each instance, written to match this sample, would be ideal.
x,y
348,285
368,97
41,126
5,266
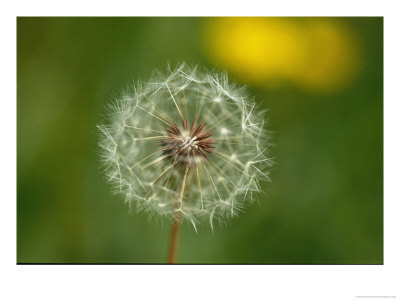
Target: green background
x,y
323,206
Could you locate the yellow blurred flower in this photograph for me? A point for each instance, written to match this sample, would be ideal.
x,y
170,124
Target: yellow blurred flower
x,y
318,54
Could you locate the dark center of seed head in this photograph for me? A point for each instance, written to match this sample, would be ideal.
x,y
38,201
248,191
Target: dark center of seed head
x,y
187,145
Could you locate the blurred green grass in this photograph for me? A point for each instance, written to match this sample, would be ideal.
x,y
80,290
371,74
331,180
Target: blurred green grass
x,y
325,202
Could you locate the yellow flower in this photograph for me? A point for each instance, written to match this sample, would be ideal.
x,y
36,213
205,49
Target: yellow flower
x,y
318,54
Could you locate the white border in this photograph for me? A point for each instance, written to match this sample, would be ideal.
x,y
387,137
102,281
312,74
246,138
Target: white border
x,y
198,282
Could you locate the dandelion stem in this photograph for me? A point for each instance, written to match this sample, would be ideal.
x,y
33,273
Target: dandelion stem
x,y
174,240
173,246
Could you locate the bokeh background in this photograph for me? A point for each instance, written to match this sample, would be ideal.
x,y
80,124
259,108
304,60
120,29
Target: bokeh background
x,y
321,80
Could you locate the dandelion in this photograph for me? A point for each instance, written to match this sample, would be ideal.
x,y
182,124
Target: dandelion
x,y
186,144
319,55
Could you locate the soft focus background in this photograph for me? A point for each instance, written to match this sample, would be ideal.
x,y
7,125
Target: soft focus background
x,y
321,80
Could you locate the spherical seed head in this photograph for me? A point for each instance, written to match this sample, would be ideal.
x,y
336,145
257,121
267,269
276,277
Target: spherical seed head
x,y
187,142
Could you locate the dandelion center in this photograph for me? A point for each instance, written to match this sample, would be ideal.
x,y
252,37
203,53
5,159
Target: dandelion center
x,y
188,145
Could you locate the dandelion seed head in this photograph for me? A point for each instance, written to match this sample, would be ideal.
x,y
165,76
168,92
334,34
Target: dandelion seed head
x,y
186,141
